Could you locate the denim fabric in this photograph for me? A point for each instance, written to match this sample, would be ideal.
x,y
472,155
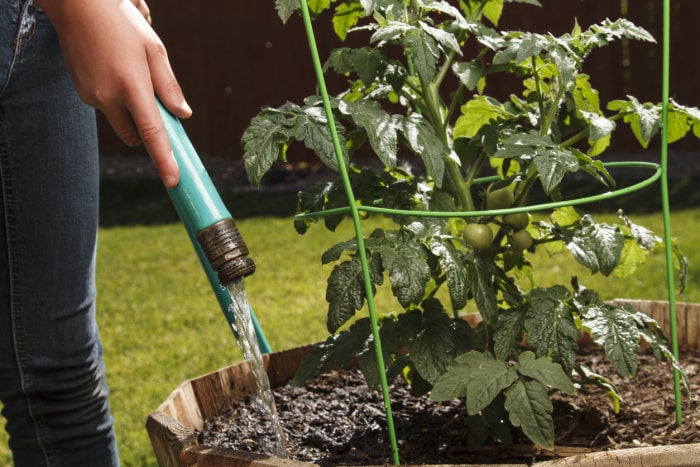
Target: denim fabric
x,y
52,377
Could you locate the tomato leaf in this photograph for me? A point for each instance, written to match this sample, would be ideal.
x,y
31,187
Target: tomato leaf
x,y
334,353
455,271
432,348
529,408
381,129
425,143
407,264
345,292
508,332
596,246
481,276
550,325
545,371
264,141
612,327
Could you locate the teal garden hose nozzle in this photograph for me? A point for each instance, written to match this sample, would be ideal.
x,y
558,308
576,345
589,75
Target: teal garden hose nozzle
x,y
211,228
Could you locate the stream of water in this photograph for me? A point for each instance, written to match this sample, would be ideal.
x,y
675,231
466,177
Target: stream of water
x,y
248,342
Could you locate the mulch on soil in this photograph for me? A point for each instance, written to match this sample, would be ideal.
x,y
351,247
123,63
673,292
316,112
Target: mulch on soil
x,y
334,419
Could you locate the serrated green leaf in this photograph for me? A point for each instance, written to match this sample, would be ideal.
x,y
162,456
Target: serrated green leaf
x,y
346,17
566,216
644,119
550,325
409,272
381,129
526,145
369,63
508,332
345,292
264,142
530,44
469,73
455,272
545,371
600,127
446,39
678,125
614,328
425,143
432,349
285,9
312,129
335,353
493,10
453,383
424,52
529,408
477,113
452,11
692,115
647,239
481,274
486,382
317,6
632,256
585,97
590,377
596,246
552,165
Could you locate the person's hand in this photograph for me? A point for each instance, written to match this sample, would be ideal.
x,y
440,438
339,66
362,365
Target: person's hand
x,y
117,63
143,8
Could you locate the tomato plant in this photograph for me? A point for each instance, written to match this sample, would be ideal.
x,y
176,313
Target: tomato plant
x,y
398,96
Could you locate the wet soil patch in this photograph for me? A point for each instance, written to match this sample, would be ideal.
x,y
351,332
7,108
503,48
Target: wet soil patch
x,y
335,419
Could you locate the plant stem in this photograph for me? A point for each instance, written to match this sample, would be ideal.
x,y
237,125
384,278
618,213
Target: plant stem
x,y
524,187
536,75
465,197
547,123
432,101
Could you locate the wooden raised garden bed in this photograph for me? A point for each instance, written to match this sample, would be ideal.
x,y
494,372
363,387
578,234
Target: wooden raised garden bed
x,y
172,427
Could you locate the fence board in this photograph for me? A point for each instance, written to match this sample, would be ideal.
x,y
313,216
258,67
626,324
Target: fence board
x,y
234,57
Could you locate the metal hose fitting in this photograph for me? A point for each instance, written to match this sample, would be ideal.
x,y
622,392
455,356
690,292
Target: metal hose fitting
x,y
226,251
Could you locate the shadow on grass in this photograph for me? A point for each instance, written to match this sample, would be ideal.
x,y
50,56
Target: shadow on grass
x,y
146,202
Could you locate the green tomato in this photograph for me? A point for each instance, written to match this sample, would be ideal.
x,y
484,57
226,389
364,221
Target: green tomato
x,y
478,236
501,198
520,240
518,221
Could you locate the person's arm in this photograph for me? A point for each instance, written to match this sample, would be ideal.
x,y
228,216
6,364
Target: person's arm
x,y
118,63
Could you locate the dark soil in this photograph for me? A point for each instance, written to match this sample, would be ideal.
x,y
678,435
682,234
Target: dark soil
x,y
335,419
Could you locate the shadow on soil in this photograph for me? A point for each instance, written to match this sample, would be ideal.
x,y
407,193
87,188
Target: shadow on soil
x,y
146,202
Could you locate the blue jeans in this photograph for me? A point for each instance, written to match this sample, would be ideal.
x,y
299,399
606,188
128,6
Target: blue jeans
x,y
52,377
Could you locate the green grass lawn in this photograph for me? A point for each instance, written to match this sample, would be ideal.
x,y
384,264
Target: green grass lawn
x,y
161,324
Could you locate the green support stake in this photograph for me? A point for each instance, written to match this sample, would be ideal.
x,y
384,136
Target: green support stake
x,y
668,239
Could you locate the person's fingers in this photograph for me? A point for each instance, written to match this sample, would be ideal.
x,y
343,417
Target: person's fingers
x,y
154,137
165,84
123,125
143,9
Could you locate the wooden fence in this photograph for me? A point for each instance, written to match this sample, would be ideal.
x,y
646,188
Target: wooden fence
x,y
233,57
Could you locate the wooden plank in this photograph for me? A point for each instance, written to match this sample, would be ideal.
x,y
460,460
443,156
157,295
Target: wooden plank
x,y
692,326
687,455
168,438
